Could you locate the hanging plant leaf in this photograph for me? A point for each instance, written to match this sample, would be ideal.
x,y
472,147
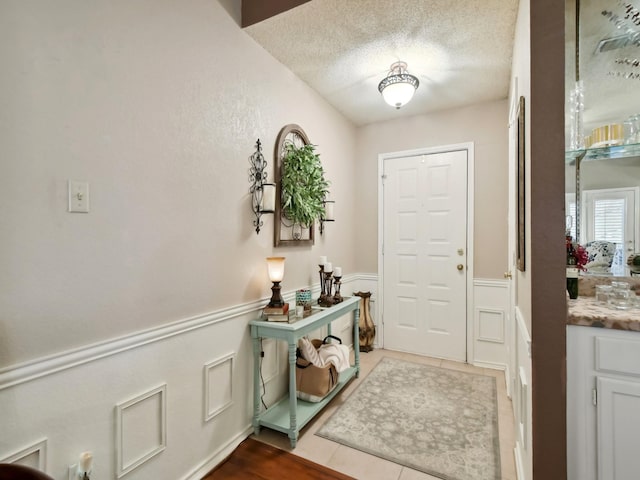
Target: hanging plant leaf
x,y
303,185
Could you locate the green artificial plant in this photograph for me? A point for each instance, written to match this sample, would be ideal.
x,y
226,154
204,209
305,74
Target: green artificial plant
x,y
303,185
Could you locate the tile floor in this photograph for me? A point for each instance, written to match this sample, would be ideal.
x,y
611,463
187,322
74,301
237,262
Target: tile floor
x,y
361,465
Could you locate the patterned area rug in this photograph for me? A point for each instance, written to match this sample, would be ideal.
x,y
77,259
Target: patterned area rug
x,y
431,419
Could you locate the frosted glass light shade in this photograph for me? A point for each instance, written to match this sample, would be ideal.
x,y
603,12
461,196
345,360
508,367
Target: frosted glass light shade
x,y
398,94
398,87
276,268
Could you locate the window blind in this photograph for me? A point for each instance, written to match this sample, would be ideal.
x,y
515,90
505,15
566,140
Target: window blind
x,y
572,212
608,221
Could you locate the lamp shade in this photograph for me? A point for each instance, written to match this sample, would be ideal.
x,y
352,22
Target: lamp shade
x,y
398,87
276,268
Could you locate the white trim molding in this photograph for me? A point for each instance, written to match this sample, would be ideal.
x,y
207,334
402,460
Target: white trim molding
x,y
160,414
40,367
490,323
522,397
40,447
43,366
224,385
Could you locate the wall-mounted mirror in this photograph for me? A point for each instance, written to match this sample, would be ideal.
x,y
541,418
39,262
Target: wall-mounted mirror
x,y
603,169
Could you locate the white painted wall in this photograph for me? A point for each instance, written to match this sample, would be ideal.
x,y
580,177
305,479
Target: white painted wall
x,y
520,342
158,106
485,125
520,69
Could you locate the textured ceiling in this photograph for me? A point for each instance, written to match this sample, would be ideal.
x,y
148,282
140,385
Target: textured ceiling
x,y
459,50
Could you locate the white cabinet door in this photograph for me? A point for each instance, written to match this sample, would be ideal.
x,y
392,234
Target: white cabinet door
x,y
618,429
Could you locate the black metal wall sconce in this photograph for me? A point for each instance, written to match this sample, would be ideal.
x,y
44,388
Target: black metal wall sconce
x,y
328,214
263,194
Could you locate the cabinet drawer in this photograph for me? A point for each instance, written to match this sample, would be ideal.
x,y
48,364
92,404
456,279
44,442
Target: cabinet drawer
x,y
618,356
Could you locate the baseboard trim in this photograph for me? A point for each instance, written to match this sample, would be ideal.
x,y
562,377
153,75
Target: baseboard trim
x,y
214,460
492,366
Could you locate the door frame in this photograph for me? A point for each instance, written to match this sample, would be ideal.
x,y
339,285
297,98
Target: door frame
x,y
469,148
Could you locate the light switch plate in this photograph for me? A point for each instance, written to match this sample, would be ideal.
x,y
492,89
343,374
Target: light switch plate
x,y
78,196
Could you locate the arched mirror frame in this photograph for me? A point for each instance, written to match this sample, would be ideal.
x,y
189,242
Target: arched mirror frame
x,y
285,232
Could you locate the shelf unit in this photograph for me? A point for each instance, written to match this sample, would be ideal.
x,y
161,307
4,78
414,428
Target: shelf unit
x,y
602,153
291,414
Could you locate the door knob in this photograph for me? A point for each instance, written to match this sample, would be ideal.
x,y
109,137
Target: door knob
x,y
508,275
460,267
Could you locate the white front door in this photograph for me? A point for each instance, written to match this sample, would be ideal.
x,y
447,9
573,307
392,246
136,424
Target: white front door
x,y
425,254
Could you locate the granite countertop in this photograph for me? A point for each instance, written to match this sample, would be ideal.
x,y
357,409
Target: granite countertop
x,y
586,311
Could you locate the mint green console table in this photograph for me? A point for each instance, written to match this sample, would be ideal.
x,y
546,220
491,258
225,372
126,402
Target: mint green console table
x,y
290,414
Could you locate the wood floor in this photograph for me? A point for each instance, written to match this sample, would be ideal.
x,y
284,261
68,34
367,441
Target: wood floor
x,y
256,460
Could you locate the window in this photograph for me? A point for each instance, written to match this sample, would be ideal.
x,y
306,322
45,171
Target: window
x,y
570,210
610,216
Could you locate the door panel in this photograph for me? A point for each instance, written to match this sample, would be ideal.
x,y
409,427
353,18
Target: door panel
x,y
425,228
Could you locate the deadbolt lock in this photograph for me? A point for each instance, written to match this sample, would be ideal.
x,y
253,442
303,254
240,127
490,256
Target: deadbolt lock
x,y
460,251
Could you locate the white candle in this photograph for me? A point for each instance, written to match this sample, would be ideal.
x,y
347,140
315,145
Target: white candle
x,y
328,267
337,272
323,260
268,197
85,464
328,211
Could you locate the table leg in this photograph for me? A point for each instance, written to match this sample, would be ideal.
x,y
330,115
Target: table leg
x,y
256,385
356,339
293,400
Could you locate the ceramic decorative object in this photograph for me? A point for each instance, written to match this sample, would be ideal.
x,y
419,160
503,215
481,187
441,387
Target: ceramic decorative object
x,y
366,325
303,297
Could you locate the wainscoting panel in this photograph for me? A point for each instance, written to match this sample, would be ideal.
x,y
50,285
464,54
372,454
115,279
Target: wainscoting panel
x,y
218,386
522,399
71,398
34,456
490,323
141,429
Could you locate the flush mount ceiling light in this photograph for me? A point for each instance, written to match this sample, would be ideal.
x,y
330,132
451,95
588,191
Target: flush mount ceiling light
x,y
398,87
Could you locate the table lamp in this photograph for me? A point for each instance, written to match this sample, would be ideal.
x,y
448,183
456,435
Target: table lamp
x,y
276,274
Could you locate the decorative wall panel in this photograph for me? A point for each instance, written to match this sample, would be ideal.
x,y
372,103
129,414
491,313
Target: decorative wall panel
x,y
34,456
141,429
490,325
218,386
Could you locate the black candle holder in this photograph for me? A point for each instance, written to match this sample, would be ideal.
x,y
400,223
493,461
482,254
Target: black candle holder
x,y
327,300
337,298
322,291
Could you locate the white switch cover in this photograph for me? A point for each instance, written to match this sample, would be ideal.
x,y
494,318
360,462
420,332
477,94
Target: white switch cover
x,y
78,196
